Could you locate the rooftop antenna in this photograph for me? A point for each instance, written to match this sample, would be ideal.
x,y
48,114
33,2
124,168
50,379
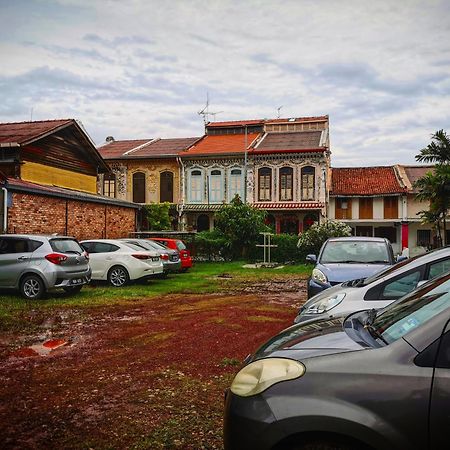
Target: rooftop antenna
x,y
278,111
205,112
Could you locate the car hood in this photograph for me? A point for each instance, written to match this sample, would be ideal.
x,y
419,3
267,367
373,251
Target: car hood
x,y
317,338
337,273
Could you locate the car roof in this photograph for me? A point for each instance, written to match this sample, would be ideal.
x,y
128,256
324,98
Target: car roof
x,y
358,238
36,236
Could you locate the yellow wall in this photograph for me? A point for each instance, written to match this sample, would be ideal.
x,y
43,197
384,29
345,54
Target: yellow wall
x,y
38,173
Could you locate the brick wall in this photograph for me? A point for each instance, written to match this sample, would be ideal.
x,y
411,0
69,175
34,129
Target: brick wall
x,y
38,214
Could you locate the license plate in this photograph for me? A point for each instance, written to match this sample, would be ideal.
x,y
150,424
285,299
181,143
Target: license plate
x,y
77,281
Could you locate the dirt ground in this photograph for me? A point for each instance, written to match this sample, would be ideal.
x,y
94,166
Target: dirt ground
x,y
146,376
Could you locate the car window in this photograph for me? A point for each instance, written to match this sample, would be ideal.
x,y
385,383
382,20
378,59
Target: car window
x,y
413,310
355,252
12,245
65,246
401,285
439,268
157,245
144,245
134,246
103,247
34,245
180,245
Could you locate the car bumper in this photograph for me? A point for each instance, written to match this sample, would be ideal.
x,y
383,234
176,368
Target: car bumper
x,y
249,424
186,263
146,272
172,266
60,279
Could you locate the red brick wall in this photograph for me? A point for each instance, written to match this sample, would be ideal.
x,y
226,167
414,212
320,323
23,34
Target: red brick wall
x,y
45,215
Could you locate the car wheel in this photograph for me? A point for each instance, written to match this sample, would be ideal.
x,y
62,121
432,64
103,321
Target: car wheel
x,y
72,290
118,276
32,287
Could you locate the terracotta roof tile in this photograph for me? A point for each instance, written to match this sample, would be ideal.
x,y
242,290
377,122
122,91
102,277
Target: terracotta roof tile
x,y
221,144
145,148
293,141
24,132
365,181
241,123
115,149
413,173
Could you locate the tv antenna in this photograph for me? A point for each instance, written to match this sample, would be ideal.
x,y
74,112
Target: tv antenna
x,y
205,112
278,111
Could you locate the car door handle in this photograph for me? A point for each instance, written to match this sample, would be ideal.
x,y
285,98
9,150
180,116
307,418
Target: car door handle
x,y
22,258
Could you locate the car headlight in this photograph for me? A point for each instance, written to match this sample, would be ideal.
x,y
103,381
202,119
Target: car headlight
x,y
325,304
260,375
318,275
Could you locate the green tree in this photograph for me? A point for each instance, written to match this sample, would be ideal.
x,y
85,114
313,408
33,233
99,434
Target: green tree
x,y
158,216
240,224
312,240
438,151
435,188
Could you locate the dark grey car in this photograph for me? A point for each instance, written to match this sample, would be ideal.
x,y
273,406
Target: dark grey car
x,y
169,257
371,380
34,264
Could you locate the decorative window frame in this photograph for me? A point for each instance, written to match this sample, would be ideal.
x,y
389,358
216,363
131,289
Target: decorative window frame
x,y
189,195
230,195
221,191
293,194
146,183
300,183
273,172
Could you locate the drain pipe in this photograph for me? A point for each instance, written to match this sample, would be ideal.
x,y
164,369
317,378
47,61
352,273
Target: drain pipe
x,y
182,182
5,210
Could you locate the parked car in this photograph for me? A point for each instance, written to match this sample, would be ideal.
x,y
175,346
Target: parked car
x,y
170,258
376,291
347,258
119,262
371,380
177,244
35,264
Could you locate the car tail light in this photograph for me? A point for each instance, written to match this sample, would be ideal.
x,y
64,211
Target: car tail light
x,y
86,255
56,258
140,256
184,254
164,256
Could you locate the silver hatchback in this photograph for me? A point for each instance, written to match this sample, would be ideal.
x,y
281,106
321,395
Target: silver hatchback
x,y
35,264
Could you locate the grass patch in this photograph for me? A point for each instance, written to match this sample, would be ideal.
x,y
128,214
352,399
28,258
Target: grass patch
x,y
19,315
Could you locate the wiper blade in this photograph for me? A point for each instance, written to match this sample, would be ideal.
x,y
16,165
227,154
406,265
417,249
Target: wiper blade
x,y
368,325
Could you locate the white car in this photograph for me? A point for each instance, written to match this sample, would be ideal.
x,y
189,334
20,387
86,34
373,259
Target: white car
x,y
376,291
118,262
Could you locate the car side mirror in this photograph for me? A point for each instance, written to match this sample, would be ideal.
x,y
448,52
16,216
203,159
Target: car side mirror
x,y
311,259
400,258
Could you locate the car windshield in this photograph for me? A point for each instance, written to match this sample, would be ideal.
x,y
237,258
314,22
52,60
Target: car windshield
x,y
389,269
156,245
66,246
413,310
143,244
136,246
356,252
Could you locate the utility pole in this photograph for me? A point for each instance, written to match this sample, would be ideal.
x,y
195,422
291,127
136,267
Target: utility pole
x,y
245,165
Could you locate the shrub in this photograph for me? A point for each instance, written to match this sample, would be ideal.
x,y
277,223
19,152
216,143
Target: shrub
x,y
210,245
312,240
158,216
286,250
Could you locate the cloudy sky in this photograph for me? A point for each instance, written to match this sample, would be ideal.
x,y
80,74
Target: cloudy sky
x,y
143,68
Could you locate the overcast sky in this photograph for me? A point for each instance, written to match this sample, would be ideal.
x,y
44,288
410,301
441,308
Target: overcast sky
x,y
142,68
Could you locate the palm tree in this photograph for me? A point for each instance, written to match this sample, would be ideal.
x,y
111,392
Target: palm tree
x,y
435,188
438,151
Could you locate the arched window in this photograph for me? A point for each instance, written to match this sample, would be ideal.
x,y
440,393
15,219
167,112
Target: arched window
x,y
139,187
109,184
308,182
166,187
265,184
235,184
215,186
196,186
286,178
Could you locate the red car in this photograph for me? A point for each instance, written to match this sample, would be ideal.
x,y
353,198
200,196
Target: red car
x,y
177,244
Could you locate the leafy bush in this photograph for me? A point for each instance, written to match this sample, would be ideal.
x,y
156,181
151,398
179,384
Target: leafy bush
x,y
210,245
287,248
158,216
312,240
240,224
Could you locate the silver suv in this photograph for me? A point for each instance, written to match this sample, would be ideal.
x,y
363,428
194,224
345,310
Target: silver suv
x,y
35,264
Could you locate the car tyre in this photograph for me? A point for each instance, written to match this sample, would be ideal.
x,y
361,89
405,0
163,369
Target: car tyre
x,y
72,290
118,276
32,287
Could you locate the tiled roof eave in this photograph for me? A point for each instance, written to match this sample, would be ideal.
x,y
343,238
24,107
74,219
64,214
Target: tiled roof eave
x,y
300,150
50,191
289,205
365,194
